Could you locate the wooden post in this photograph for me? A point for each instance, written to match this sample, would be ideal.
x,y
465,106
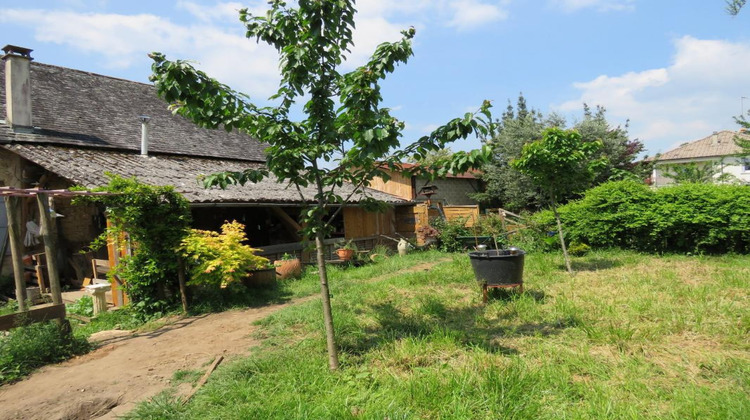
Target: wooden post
x,y
12,207
49,236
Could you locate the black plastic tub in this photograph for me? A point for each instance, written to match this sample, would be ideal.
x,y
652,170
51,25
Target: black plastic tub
x,y
498,267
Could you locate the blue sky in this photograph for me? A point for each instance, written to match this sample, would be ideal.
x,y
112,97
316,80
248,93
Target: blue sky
x,y
676,69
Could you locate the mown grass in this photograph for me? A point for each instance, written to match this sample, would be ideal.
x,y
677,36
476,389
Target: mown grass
x,y
629,336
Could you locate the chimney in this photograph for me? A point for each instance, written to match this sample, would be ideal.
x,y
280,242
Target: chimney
x,y
17,86
144,134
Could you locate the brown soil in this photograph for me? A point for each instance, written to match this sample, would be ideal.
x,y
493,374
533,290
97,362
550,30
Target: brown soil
x,y
130,367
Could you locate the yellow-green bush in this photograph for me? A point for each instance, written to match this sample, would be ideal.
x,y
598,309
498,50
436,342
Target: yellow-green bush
x,y
220,258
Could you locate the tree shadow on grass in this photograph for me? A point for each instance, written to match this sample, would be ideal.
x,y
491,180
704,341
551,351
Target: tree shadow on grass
x,y
510,294
207,300
462,325
592,264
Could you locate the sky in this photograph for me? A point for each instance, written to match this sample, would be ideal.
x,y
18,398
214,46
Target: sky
x,y
676,71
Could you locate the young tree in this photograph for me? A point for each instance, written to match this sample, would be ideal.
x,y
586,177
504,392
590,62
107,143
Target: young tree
x,y
559,163
343,120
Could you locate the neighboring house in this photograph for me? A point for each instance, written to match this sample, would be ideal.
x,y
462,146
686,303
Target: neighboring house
x,y
451,190
717,149
65,127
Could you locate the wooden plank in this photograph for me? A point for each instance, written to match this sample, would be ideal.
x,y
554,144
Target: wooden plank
x,y
204,378
290,224
49,237
13,208
36,314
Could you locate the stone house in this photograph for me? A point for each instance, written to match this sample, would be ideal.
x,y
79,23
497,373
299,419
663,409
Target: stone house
x,y
61,127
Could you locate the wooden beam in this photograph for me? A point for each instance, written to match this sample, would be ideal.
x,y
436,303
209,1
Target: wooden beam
x,y
13,207
39,313
49,236
290,224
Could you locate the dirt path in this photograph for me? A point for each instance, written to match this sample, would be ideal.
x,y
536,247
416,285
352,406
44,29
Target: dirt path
x,y
129,368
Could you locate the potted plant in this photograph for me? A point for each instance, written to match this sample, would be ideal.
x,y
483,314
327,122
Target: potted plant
x,y
289,266
345,250
261,277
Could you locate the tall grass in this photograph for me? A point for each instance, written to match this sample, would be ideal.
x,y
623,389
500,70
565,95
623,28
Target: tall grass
x,y
26,348
630,336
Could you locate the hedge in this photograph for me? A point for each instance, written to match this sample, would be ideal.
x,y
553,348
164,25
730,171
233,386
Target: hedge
x,y
701,218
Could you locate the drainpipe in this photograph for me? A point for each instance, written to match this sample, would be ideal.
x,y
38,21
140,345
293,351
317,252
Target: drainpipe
x,y
144,134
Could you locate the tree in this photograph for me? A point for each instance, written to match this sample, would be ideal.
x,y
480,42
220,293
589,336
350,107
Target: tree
x,y
513,190
560,163
734,6
432,157
621,152
343,121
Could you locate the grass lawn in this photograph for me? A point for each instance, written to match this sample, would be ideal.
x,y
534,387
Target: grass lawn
x,y
629,336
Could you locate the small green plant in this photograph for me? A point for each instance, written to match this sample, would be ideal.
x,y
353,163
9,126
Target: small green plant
x,y
83,306
380,250
218,259
8,308
578,249
344,244
29,347
288,257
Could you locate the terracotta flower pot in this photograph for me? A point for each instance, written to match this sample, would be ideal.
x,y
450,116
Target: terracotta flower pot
x,y
345,254
288,269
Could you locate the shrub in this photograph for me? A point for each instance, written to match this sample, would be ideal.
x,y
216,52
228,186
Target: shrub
x,y
680,218
448,233
218,259
156,219
29,347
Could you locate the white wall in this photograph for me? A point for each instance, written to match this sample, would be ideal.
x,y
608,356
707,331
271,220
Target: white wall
x,y
729,165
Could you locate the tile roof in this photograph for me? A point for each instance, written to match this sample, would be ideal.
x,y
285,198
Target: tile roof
x,y
86,167
76,108
717,144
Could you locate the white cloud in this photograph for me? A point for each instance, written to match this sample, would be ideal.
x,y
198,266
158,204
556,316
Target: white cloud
x,y
215,39
469,14
698,93
600,5
218,11
124,41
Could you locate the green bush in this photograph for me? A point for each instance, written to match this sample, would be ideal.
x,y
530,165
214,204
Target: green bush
x,y
681,218
29,347
156,220
217,259
448,233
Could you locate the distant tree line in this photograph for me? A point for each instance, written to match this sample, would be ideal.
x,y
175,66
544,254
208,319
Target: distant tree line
x,y
520,125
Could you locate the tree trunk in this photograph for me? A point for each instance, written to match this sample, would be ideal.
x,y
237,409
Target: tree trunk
x,y
333,358
562,237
